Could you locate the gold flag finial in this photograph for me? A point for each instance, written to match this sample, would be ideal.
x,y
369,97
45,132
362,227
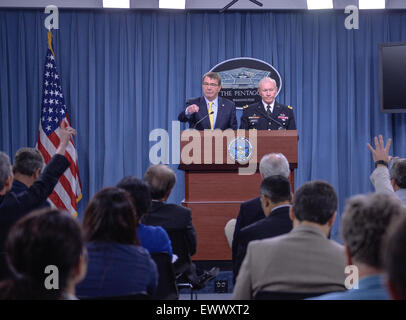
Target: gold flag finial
x,y
50,42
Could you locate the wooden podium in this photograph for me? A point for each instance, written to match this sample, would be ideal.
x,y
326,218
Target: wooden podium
x,y
214,189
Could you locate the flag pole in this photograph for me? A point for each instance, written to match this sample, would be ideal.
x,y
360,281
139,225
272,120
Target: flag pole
x,y
50,42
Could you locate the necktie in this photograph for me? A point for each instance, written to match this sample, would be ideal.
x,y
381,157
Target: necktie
x,y
210,115
268,110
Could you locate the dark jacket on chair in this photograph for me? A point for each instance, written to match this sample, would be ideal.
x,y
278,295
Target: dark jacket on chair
x,y
177,221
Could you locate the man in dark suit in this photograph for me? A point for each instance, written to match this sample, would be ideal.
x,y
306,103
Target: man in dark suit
x,y
275,197
251,211
15,206
177,221
27,167
210,111
268,114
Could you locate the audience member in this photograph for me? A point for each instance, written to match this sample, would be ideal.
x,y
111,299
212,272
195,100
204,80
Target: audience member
x,y
152,238
14,206
302,261
43,240
275,195
394,253
175,220
383,179
364,224
118,265
27,166
271,164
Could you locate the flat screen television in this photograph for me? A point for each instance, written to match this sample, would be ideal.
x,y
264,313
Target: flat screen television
x,y
392,77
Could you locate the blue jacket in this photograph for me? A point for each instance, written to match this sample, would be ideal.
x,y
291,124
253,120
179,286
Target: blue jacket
x,y
117,270
154,239
369,288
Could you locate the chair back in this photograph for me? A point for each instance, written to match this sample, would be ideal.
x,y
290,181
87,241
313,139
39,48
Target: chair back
x,y
167,289
229,231
180,248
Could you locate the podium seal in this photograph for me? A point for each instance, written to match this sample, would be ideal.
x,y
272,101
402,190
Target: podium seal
x,y
240,150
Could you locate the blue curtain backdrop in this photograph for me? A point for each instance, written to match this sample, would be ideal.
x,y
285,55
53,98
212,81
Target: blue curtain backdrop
x,y
125,73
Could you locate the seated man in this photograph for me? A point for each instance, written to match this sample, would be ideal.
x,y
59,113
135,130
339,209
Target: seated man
x,y
27,167
364,224
14,206
395,259
302,261
175,220
275,201
383,179
152,238
271,164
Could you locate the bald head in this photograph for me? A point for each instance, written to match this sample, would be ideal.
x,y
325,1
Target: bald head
x,y
274,164
161,179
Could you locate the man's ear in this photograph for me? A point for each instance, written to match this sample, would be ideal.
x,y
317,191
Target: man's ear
x,y
394,185
8,183
292,214
80,269
348,255
167,196
330,221
265,202
37,173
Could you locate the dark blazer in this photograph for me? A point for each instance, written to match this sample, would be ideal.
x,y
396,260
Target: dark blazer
x,y
250,212
15,206
226,117
172,217
276,224
19,187
255,117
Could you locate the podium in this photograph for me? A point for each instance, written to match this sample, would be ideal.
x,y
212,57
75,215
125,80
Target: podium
x,y
214,185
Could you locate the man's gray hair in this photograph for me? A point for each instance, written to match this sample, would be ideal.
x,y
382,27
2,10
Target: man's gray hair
x,y
161,178
5,168
274,164
27,161
267,79
365,222
398,172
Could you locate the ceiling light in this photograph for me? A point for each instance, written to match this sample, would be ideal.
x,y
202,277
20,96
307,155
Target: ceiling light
x,y
116,3
319,4
372,4
172,4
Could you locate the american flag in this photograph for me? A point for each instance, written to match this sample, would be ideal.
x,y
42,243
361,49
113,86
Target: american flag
x,y
67,192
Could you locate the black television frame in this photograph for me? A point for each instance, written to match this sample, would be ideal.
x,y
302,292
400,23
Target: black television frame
x,y
380,74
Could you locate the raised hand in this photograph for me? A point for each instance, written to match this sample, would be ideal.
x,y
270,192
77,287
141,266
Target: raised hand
x,y
381,152
65,132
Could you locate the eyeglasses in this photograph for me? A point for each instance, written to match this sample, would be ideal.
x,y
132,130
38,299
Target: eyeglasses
x,y
210,84
268,90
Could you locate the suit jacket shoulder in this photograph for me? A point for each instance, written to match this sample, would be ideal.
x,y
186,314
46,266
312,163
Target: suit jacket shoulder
x,y
252,107
276,224
169,216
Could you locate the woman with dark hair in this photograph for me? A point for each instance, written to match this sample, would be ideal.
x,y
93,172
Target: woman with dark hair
x,y
118,265
46,256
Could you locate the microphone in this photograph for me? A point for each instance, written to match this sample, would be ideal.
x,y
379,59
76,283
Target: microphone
x,y
202,119
275,121
278,123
